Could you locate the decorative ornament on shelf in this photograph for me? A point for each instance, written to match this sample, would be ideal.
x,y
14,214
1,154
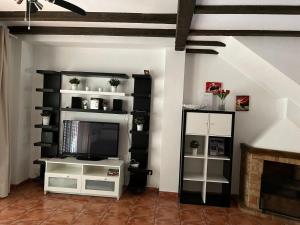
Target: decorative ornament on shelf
x,y
139,121
74,82
194,146
114,83
85,103
222,94
46,118
105,105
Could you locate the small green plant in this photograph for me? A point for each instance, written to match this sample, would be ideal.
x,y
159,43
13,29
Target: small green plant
x,y
194,144
74,81
139,120
114,82
46,113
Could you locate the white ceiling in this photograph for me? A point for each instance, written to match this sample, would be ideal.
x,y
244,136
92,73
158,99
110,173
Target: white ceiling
x,y
133,6
209,21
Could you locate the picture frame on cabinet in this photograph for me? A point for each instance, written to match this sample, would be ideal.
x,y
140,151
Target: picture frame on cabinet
x,y
213,87
242,103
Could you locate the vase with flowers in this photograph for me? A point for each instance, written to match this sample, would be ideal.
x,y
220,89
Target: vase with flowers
x,y
222,94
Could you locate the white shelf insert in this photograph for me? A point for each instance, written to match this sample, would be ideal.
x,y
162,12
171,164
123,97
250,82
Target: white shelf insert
x,y
121,94
224,158
189,155
217,179
193,177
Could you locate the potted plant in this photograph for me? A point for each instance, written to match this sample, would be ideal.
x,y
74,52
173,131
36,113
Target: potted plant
x,y
139,121
74,83
114,83
46,118
194,146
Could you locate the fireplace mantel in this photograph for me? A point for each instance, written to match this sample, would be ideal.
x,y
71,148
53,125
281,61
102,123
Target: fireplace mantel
x,y
252,162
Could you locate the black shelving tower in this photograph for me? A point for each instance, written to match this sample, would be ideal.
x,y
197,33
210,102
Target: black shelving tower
x,y
140,139
49,142
51,102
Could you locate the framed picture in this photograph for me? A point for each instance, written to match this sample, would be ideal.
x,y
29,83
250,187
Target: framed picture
x,y
242,103
216,147
213,87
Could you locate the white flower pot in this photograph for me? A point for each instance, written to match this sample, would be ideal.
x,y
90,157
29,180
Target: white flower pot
x,y
113,88
46,120
104,108
74,86
139,127
194,151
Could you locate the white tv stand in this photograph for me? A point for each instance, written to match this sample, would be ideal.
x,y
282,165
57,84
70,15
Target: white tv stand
x,y
72,176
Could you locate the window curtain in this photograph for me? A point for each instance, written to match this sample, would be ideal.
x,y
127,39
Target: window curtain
x,y
4,126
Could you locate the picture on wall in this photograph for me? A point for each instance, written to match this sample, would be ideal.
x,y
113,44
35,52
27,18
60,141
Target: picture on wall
x,y
242,103
213,87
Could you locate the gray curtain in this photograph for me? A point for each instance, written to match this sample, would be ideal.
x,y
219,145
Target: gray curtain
x,y
4,126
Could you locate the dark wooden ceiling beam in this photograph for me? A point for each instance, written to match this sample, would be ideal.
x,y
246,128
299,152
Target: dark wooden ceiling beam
x,y
92,17
134,32
185,14
267,33
205,43
202,51
248,9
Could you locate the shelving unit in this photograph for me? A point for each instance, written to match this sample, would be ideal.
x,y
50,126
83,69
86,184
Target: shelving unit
x,y
79,92
47,127
93,111
52,94
205,178
95,74
51,102
140,139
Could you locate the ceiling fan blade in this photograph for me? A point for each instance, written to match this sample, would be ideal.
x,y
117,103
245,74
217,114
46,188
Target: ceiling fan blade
x,y
70,6
19,1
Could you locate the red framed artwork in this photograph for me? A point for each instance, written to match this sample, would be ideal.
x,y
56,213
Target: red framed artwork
x,y
213,87
242,103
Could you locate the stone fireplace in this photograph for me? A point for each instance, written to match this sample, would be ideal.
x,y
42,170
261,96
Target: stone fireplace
x,y
253,163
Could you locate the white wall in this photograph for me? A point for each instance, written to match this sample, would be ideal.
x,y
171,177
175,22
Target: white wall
x,y
21,87
127,61
281,52
171,123
263,106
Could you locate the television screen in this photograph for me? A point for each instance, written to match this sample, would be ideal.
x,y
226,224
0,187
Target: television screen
x,y
96,140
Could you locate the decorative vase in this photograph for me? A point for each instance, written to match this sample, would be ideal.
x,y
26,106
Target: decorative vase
x,y
46,120
113,88
194,151
139,127
74,86
222,105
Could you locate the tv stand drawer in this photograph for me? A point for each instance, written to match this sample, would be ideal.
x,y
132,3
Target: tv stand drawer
x,y
65,183
105,186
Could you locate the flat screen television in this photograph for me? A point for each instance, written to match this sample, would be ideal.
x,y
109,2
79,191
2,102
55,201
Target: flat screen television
x,y
90,140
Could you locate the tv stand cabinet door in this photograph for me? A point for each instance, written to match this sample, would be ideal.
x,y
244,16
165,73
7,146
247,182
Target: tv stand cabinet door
x,y
62,183
100,186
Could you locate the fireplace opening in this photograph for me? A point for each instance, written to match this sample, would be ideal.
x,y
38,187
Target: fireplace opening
x,y
280,189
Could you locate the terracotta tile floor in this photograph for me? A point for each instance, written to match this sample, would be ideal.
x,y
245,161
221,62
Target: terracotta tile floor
x,y
27,205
